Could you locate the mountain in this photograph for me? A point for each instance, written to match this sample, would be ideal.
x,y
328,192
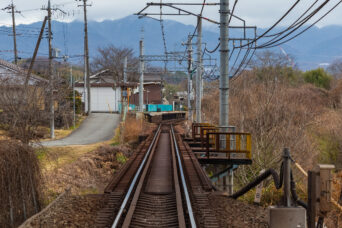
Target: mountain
x,y
316,46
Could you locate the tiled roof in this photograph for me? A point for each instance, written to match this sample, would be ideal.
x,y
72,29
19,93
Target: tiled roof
x,y
19,71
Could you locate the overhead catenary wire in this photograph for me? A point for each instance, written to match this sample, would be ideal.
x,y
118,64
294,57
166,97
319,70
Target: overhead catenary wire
x,y
244,60
194,33
219,44
294,26
298,23
306,29
232,13
295,23
306,19
237,75
274,25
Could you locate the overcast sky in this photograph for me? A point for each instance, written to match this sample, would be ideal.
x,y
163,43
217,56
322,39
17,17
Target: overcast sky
x,y
262,13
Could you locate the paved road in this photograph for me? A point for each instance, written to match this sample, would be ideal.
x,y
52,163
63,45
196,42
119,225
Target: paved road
x,y
98,127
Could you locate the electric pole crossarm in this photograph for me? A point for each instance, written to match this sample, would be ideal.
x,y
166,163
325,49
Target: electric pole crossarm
x,y
164,14
140,12
182,4
176,14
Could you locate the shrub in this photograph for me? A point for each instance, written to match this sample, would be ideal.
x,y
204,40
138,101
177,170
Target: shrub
x,y
318,77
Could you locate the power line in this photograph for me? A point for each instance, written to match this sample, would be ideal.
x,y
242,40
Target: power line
x,y
274,25
295,23
318,20
306,19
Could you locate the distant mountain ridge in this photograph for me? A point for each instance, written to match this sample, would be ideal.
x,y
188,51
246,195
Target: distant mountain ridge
x,y
316,46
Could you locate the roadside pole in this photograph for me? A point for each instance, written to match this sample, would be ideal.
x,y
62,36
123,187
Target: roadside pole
x,y
51,77
73,96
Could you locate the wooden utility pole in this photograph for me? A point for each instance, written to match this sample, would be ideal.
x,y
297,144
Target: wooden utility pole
x,y
50,68
14,34
51,82
86,57
12,11
35,53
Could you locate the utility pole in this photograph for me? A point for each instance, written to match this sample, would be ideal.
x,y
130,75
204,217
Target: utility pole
x,y
141,69
199,71
124,99
224,64
189,79
224,77
125,70
50,66
86,59
12,11
35,53
73,96
14,34
51,76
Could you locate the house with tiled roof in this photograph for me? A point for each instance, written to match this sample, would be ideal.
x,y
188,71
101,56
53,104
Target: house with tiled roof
x,y
15,75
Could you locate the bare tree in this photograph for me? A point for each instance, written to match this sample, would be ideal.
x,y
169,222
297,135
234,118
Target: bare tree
x,y
271,66
24,112
336,69
112,58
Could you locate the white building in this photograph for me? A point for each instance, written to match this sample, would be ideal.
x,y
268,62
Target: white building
x,y
104,96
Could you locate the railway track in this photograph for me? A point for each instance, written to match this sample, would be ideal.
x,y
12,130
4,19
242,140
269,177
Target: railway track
x,y
158,187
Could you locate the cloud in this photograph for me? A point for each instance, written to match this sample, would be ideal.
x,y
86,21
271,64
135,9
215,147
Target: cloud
x,y
262,13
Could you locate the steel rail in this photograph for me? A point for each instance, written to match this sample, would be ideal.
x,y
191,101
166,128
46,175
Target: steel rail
x,y
180,211
138,190
131,187
185,188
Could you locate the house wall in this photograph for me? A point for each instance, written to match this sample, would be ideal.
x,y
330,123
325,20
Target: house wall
x,y
103,99
152,95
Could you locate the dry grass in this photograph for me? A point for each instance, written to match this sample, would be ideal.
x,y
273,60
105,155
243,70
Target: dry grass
x,y
132,129
334,218
4,135
306,119
20,183
86,170
277,116
57,157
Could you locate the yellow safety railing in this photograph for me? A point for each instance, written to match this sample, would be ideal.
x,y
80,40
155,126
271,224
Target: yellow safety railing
x,y
204,131
234,145
196,129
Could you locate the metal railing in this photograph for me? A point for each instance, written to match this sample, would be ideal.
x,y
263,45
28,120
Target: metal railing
x,y
227,144
196,129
